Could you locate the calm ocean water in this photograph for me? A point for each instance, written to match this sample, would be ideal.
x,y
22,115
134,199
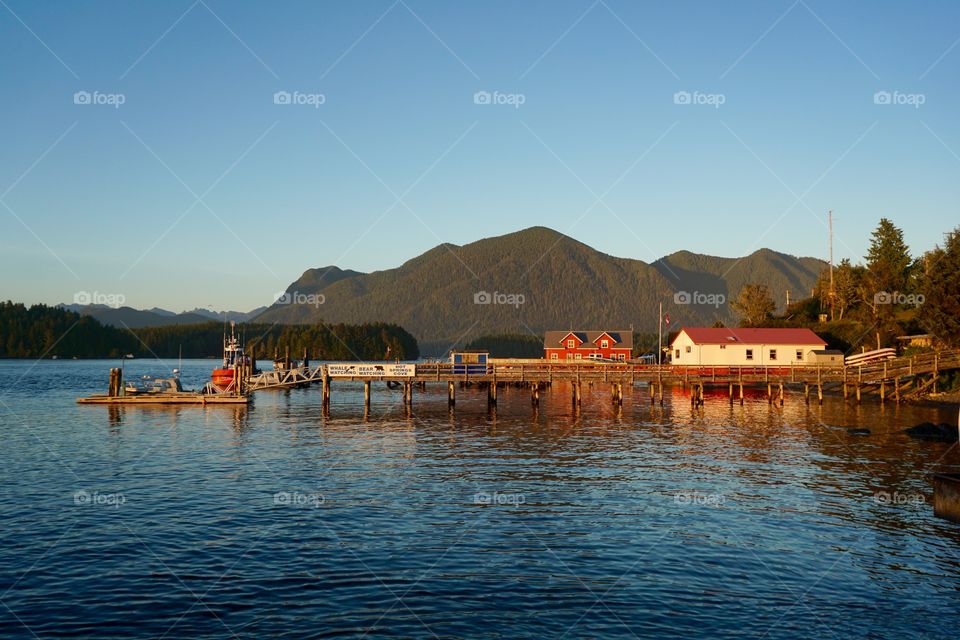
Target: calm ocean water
x,y
273,521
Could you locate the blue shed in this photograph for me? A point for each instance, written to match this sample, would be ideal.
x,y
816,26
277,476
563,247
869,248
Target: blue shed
x,y
470,362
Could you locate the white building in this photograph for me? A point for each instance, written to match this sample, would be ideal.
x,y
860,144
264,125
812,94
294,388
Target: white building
x,y
758,347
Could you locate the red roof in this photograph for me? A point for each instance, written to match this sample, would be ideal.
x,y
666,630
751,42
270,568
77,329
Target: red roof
x,y
712,335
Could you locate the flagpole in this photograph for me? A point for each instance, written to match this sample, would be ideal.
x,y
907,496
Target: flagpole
x,y
660,334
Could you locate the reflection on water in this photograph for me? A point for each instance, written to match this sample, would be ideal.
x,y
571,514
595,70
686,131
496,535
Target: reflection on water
x,y
721,520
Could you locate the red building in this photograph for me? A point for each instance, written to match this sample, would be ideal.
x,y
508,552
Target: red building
x,y
587,345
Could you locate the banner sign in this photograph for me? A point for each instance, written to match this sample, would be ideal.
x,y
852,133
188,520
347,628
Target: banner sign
x,y
368,370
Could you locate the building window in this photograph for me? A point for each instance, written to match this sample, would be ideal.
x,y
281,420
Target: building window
x,y
553,356
604,344
678,354
576,357
571,344
723,346
621,357
688,348
773,354
749,354
570,356
799,354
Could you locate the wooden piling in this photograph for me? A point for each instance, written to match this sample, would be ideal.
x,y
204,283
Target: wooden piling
x,y
616,393
366,395
115,385
806,392
492,394
819,393
781,394
696,394
451,394
741,394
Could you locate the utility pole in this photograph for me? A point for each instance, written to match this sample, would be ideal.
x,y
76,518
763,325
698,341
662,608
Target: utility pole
x,y
660,334
830,227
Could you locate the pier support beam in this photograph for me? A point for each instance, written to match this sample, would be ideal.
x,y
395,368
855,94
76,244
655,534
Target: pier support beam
x,y
492,394
741,394
451,394
534,394
858,393
730,392
819,393
325,398
806,392
896,389
616,393
769,393
366,395
696,395
781,394
883,391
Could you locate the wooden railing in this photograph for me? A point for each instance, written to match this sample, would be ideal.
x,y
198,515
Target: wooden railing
x,y
927,363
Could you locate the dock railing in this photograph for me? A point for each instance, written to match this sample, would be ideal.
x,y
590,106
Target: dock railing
x,y
547,371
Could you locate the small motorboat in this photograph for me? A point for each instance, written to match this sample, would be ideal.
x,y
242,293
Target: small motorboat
x,y
148,385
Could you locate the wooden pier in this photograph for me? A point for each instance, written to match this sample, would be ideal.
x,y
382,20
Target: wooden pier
x,y
897,379
904,378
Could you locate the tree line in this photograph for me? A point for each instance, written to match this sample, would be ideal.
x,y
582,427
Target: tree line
x,y
890,294
43,331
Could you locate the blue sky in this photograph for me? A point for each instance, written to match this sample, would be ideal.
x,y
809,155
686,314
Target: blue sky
x,y
200,190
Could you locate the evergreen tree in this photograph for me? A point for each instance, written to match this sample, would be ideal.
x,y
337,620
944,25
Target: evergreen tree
x,y
940,286
887,275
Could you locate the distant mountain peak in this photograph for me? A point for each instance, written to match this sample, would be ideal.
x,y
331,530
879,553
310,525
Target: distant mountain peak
x,y
535,279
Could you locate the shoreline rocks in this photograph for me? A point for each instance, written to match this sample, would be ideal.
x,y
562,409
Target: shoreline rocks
x,y
943,432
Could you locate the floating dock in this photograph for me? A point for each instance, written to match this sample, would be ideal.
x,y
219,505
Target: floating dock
x,y
946,496
166,398
172,394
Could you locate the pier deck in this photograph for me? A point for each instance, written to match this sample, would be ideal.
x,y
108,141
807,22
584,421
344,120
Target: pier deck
x,y
899,377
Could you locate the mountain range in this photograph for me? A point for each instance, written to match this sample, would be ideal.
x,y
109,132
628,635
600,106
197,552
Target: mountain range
x,y
156,317
533,280
520,283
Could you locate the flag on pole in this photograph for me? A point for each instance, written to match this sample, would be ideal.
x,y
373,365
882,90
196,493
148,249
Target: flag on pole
x,y
666,317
